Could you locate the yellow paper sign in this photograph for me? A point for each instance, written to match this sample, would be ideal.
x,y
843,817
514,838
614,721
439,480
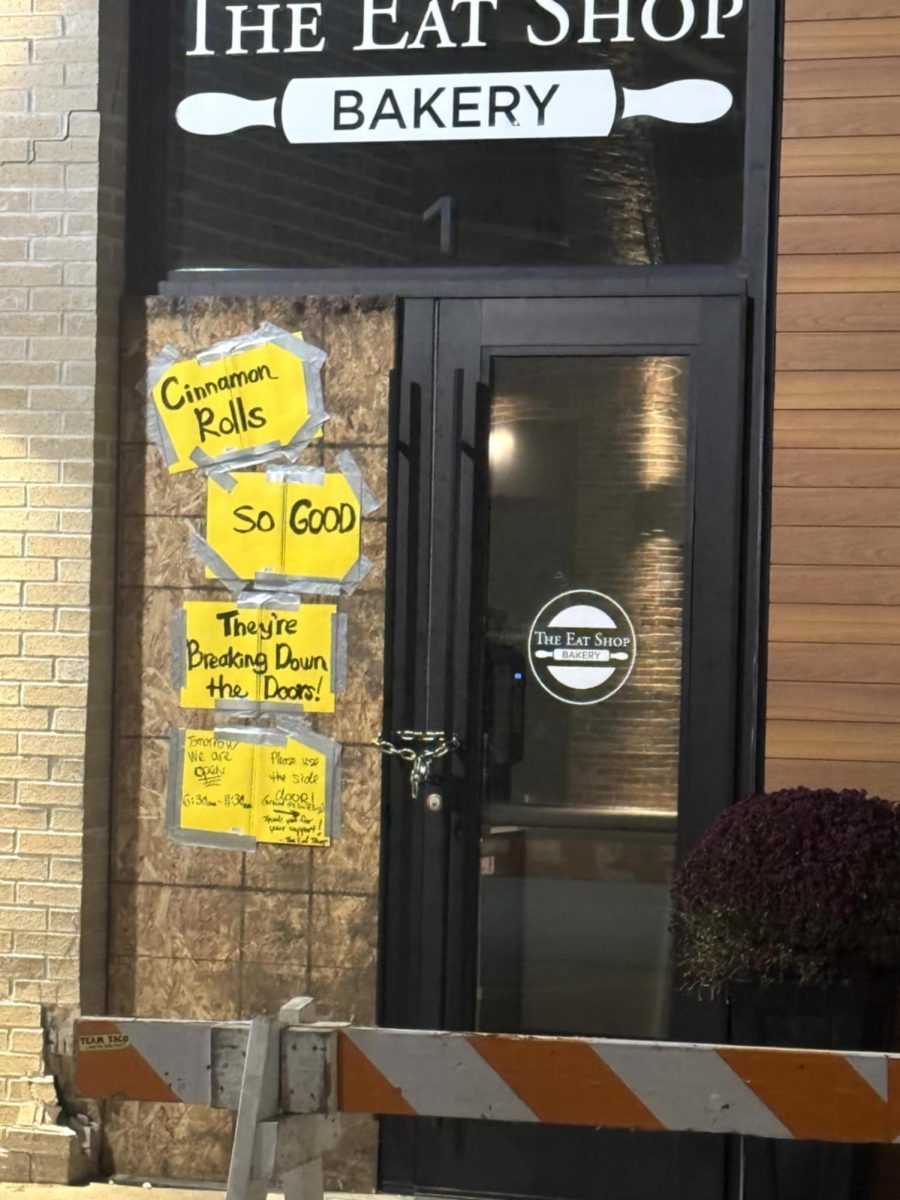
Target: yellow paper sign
x,y
264,391
217,784
304,530
290,801
277,794
259,655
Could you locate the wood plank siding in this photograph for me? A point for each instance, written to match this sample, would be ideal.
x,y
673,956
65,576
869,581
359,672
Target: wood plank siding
x,y
834,623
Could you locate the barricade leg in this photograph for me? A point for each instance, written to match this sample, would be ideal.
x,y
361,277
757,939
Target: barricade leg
x,y
271,1146
305,1182
259,1104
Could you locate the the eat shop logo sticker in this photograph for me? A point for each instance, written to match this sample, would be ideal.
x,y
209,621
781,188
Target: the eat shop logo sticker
x,y
582,647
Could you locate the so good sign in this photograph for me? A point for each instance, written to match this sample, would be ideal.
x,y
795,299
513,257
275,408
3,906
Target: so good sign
x,y
265,525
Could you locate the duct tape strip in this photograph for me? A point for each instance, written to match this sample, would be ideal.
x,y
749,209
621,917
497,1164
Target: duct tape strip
x,y
354,476
339,653
173,789
254,734
238,708
178,661
156,431
292,343
313,476
336,793
214,470
310,586
252,599
199,546
206,840
254,709
236,460
356,575
297,584
310,427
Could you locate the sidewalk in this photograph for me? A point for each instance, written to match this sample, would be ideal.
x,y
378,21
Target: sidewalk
x,y
100,1191
109,1191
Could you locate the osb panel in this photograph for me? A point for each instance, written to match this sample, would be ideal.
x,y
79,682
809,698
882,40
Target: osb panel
x,y
201,933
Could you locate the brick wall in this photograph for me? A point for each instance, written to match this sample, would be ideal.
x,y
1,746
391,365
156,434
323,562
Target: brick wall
x,y
60,84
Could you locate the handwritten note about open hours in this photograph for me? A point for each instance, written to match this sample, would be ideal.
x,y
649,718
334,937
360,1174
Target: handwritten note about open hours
x,y
271,793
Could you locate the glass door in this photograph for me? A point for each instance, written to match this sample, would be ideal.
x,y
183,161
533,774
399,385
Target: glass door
x,y
566,565
588,497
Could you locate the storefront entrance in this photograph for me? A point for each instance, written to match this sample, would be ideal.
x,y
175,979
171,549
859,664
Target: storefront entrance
x,y
565,575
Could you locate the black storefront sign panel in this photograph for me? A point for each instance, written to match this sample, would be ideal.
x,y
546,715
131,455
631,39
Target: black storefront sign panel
x,y
388,133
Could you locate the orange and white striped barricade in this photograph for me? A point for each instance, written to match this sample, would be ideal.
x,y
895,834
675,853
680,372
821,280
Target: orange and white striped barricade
x,y
606,1083
277,1072
290,1078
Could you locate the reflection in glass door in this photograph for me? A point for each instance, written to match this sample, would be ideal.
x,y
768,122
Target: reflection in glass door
x,y
588,492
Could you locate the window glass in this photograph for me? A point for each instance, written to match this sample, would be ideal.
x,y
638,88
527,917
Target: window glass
x,y
636,190
582,714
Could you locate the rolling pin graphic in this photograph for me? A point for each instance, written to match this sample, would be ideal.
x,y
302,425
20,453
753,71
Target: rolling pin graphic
x,y
495,105
588,655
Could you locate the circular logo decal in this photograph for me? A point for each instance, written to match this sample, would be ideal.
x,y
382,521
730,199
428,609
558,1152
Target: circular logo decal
x,y
582,647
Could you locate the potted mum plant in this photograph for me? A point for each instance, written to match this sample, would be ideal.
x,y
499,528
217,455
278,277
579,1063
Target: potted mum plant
x,y
789,905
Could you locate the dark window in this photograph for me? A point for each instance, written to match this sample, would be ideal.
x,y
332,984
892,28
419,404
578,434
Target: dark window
x,y
650,192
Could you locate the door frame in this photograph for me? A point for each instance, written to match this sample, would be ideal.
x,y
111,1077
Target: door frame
x,y
468,332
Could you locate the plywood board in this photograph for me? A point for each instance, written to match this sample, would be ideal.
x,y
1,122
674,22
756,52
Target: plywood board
x,y
879,155
858,234
836,506
839,273
877,778
823,10
870,702
842,77
841,194
851,741
791,584
853,312
809,544
843,117
848,624
837,468
850,429
854,38
836,389
827,662
837,351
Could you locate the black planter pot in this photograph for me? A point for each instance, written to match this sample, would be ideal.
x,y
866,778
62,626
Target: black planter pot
x,y
855,1014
